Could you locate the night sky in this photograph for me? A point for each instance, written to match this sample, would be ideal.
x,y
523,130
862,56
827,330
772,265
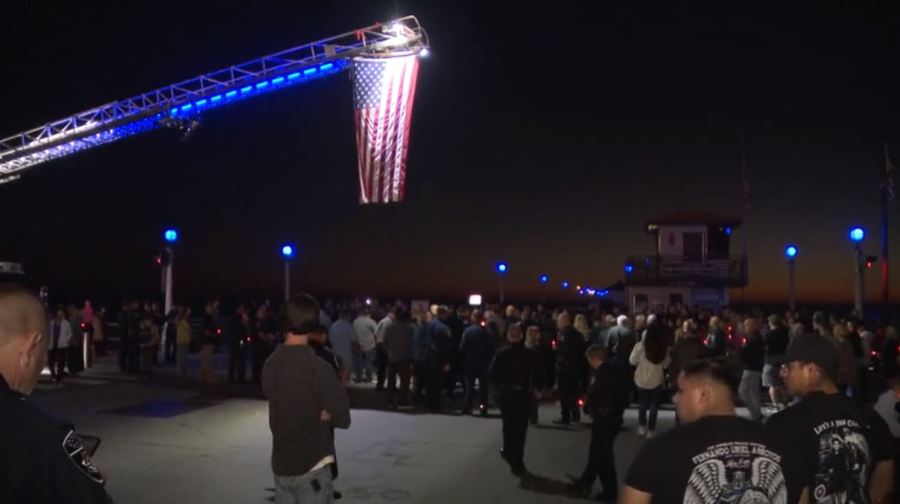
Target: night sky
x,y
544,136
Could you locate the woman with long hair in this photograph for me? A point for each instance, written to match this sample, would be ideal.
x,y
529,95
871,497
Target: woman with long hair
x,y
581,325
651,356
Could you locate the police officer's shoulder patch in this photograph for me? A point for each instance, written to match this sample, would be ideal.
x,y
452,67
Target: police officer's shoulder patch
x,y
74,449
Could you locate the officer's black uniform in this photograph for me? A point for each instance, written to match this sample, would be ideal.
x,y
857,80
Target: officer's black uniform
x,y
606,402
512,373
43,461
571,372
238,346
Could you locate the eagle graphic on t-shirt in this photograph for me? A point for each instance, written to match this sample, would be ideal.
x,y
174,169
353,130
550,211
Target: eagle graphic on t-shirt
x,y
739,480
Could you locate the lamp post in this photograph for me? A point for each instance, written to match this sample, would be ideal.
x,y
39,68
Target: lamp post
x,y
502,267
287,252
857,235
171,237
166,260
791,253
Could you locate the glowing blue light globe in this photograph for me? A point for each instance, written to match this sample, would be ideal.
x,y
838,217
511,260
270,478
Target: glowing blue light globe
x,y
790,251
287,251
857,234
502,267
171,235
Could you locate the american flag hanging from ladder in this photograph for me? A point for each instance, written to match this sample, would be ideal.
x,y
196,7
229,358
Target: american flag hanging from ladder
x,y
383,93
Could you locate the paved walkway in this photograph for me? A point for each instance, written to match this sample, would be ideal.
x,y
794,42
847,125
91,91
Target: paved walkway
x,y
174,443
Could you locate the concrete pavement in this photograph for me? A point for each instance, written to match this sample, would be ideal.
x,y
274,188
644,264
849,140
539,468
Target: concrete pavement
x,y
173,444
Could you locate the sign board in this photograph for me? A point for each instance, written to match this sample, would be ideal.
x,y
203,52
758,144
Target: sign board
x,y
11,268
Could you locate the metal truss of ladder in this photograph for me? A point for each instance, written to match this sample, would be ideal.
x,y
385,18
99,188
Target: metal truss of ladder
x,y
180,103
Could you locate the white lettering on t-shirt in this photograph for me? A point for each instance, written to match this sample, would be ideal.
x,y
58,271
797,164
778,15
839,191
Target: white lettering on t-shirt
x,y
736,472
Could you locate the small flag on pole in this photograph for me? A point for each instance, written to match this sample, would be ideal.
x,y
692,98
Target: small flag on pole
x,y
383,92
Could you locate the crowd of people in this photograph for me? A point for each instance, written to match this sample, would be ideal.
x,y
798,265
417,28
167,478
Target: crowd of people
x,y
594,360
70,329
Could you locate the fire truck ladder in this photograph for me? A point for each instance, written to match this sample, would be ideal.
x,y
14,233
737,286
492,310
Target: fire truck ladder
x,y
180,105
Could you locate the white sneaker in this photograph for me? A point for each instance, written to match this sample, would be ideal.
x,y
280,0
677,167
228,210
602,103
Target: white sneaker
x,y
650,434
642,431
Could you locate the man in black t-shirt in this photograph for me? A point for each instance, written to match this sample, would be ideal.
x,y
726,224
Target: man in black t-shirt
x,y
836,451
714,455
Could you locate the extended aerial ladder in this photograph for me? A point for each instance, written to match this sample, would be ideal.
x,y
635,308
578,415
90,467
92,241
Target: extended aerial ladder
x,y
180,105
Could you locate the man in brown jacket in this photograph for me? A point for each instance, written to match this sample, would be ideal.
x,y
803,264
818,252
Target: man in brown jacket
x,y
305,401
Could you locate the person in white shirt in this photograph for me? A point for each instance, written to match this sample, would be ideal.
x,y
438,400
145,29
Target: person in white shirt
x,y
365,329
380,355
58,346
651,357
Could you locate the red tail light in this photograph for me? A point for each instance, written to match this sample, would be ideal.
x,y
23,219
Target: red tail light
x,y
218,332
874,353
743,341
553,344
581,403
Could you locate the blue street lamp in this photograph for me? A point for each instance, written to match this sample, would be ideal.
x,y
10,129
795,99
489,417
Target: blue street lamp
x,y
287,252
170,235
857,235
790,252
629,268
501,268
544,279
565,284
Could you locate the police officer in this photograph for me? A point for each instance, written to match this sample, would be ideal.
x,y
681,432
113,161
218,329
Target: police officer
x,y
44,460
571,369
606,402
512,375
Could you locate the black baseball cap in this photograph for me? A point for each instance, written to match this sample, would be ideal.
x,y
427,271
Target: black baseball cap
x,y
816,349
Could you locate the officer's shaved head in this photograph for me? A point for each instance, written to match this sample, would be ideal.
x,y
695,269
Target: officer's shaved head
x,y
23,342
21,313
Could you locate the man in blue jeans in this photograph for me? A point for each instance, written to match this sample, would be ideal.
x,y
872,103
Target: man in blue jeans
x,y
306,400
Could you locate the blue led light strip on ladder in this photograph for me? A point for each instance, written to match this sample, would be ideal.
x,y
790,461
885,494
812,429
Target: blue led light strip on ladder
x,y
173,104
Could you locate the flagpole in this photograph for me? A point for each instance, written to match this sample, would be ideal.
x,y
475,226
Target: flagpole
x,y
745,183
886,197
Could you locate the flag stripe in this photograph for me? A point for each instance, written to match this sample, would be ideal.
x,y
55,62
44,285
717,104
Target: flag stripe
x,y
410,91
